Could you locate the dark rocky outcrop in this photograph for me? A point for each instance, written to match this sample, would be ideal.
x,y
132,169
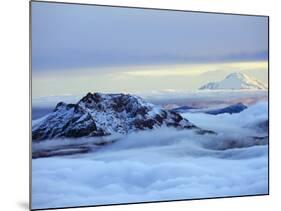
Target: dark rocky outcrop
x,y
99,114
236,108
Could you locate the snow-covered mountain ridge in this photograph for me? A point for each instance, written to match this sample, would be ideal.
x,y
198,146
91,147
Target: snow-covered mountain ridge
x,y
235,81
98,114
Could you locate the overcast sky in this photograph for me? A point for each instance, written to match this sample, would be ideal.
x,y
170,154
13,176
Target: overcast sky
x,y
105,43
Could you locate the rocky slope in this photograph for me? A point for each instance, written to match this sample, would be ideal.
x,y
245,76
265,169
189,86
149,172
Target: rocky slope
x,y
99,114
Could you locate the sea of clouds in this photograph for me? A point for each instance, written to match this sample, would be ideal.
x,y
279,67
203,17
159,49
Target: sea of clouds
x,y
162,164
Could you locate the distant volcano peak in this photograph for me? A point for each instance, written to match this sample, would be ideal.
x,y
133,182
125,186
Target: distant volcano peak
x,y
237,81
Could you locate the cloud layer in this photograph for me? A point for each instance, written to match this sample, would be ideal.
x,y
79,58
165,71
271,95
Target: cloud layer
x,y
164,164
73,36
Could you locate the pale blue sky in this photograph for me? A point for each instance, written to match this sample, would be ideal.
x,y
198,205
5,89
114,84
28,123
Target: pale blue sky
x,y
70,39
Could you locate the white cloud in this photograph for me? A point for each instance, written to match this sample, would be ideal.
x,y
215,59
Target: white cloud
x,y
164,164
229,123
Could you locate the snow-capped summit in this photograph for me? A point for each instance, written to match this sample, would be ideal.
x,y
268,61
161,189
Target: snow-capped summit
x,y
98,114
235,81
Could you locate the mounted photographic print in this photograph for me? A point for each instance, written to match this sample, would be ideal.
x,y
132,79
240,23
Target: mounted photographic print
x,y
133,105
